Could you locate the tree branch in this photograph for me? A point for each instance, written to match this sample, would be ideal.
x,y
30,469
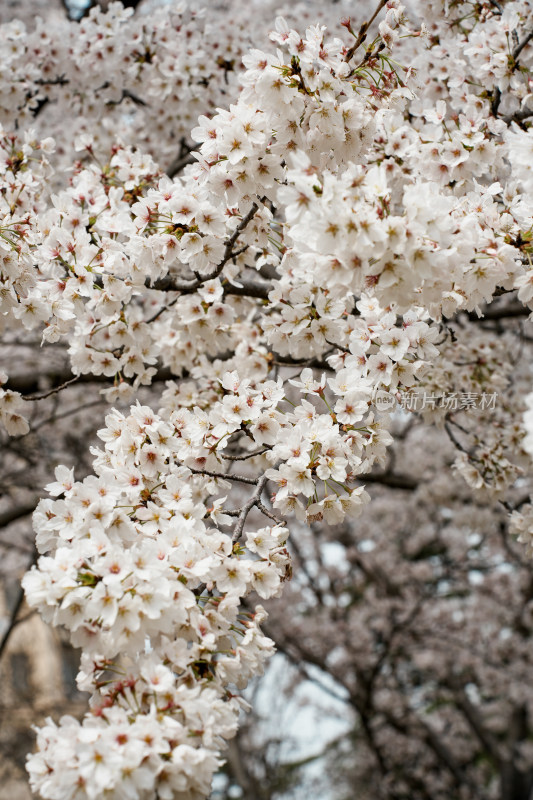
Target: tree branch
x,y
247,507
497,96
476,722
13,514
30,383
225,476
391,480
16,608
180,163
515,309
168,283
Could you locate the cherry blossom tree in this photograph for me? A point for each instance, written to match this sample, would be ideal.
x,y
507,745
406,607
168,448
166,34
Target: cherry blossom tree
x,y
259,245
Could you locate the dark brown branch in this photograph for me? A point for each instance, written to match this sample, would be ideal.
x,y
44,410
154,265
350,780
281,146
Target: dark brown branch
x,y
162,310
60,80
127,95
31,383
224,476
54,390
67,413
288,361
455,441
518,116
13,514
183,158
363,30
496,100
520,46
180,163
15,610
249,289
391,480
246,456
515,309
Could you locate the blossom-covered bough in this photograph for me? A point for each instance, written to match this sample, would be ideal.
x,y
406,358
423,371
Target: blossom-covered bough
x,y
287,235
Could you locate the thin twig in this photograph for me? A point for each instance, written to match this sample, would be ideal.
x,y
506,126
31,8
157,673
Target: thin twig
x,y
29,382
162,310
454,440
248,455
363,30
68,413
264,510
247,507
224,476
520,46
52,391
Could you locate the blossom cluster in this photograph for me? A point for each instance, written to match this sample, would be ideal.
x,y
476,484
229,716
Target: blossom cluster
x,y
146,83
149,586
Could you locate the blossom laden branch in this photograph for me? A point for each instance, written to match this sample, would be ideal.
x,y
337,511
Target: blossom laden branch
x,y
170,284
